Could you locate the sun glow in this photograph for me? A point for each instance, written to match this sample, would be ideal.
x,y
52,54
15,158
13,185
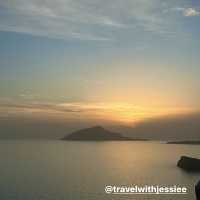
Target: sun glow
x,y
119,112
123,112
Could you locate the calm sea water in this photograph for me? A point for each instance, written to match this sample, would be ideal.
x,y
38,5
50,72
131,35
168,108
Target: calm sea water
x,y
59,170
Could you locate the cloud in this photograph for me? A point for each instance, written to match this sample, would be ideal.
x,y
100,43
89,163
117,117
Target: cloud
x,y
21,121
189,12
97,20
178,127
119,112
27,108
60,19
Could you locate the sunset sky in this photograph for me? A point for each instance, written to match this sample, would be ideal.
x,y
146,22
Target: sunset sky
x,y
121,60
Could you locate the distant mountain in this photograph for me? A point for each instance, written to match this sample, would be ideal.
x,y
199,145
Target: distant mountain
x,y
96,133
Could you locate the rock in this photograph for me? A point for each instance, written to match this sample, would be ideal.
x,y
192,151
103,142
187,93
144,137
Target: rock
x,y
197,190
189,164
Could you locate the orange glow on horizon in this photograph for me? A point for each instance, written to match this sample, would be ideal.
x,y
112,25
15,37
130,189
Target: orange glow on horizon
x,y
124,113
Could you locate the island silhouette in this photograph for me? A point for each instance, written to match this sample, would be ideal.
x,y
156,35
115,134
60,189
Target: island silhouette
x,y
195,142
97,133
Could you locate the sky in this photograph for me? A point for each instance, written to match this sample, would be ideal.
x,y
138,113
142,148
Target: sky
x,y
119,61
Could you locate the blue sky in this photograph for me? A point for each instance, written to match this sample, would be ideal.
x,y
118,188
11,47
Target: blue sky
x,y
139,55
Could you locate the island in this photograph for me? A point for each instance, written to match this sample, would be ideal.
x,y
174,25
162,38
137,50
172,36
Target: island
x,y
189,164
192,142
97,133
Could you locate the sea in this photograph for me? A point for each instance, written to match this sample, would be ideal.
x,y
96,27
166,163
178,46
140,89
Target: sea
x,y
64,170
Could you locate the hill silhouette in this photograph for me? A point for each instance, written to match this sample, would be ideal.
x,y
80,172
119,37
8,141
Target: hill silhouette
x,y
96,133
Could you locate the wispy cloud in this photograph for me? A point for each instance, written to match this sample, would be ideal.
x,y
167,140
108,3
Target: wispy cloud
x,y
38,107
58,19
95,20
99,20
